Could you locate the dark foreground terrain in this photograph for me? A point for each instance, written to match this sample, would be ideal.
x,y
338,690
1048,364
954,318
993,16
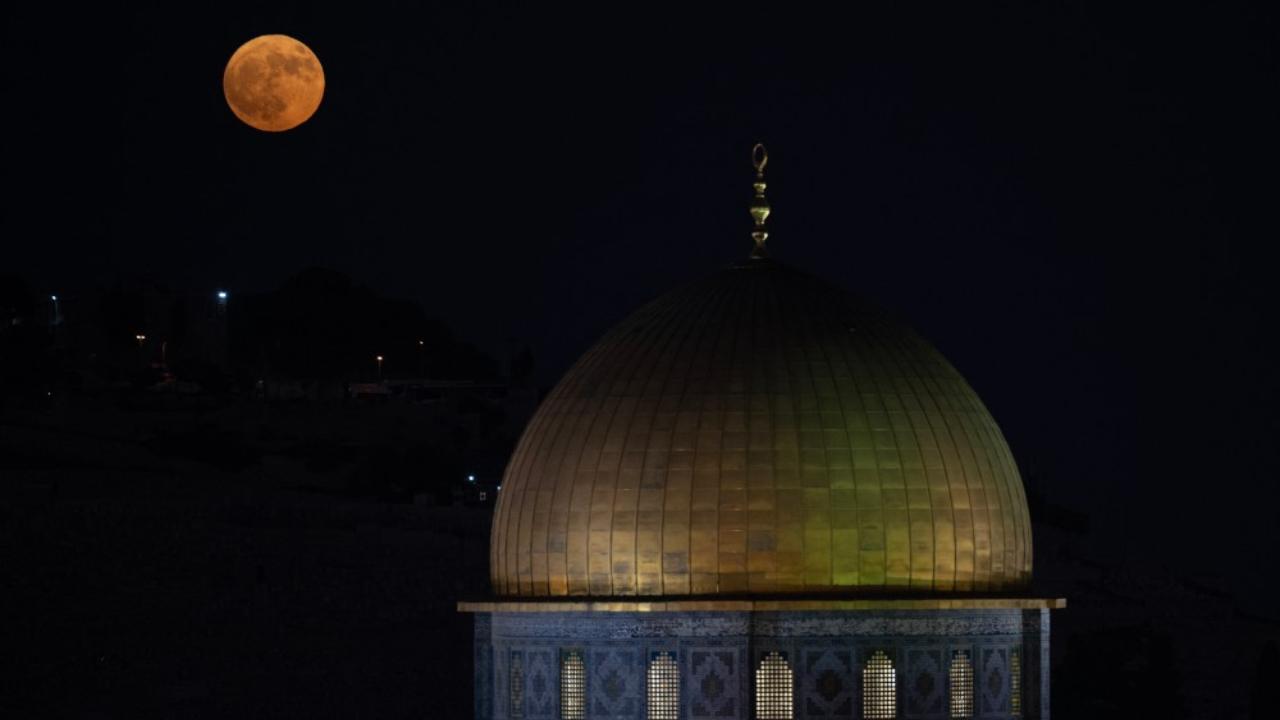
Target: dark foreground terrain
x,y
144,585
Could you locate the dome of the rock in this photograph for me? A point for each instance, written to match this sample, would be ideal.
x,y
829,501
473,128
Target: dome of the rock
x,y
760,496
760,432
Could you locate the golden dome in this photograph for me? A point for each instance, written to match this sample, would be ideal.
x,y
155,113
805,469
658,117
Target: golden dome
x,y
760,432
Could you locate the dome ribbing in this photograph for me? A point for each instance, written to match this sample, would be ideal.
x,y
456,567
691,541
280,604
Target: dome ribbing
x,y
760,432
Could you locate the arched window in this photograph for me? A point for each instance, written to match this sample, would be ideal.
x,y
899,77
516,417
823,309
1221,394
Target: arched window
x,y
573,686
663,687
1015,683
517,686
773,687
961,676
879,688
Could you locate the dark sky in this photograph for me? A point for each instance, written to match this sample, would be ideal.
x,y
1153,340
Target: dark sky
x,y
1076,206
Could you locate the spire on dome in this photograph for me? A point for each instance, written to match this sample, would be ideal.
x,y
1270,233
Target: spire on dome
x,y
759,205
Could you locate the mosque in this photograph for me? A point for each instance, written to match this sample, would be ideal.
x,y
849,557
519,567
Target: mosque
x,y
760,496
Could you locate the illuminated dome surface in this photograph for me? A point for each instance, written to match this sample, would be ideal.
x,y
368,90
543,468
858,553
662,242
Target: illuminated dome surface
x,y
760,433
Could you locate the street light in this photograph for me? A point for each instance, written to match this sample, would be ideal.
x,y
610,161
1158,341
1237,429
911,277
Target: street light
x,y
422,359
220,304
379,359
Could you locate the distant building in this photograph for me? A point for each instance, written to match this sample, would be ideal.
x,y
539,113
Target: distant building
x,y
102,335
760,497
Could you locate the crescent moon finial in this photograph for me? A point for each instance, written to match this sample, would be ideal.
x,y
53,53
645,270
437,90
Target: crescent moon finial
x,y
759,204
759,157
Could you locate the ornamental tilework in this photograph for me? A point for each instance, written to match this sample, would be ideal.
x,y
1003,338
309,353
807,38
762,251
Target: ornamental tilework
x,y
826,683
614,690
714,681
542,700
515,686
925,683
993,681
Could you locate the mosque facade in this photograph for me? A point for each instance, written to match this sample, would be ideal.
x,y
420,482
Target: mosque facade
x,y
761,496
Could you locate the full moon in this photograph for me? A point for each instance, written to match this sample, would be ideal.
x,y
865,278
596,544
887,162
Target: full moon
x,y
273,83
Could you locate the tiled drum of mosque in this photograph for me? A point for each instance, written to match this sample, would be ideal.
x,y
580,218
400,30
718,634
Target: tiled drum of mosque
x,y
869,663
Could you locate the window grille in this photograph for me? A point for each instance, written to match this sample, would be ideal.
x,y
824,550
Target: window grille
x,y
663,687
773,687
879,688
961,676
1015,683
517,686
573,686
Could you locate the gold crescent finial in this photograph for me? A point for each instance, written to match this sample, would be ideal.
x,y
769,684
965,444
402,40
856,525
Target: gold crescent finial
x,y
759,157
759,205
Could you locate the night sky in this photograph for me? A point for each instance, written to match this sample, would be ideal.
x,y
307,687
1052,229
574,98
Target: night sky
x,y
1075,206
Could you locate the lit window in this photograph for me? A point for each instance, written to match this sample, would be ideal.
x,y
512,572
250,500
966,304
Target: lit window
x,y
961,676
773,687
1015,683
573,686
663,687
879,688
517,686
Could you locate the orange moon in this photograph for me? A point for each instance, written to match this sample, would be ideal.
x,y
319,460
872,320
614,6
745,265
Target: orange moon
x,y
273,83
